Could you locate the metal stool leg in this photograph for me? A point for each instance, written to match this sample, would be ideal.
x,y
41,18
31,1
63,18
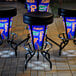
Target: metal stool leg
x,y
29,60
47,59
27,55
16,51
46,54
37,55
62,45
60,51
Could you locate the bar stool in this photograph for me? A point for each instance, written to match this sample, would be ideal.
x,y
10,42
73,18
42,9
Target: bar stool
x,y
6,18
38,22
69,19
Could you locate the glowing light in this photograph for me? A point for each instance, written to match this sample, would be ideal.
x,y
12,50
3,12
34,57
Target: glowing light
x,y
71,27
44,5
45,1
32,5
4,23
31,1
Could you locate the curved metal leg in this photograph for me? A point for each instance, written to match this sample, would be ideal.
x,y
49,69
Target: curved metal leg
x,y
16,51
62,45
60,51
46,54
47,58
37,55
27,55
60,48
29,60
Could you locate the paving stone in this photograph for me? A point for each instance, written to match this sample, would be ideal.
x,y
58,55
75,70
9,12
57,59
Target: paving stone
x,y
49,74
55,74
13,69
65,74
24,74
34,73
5,73
53,67
12,74
20,69
41,73
73,71
74,74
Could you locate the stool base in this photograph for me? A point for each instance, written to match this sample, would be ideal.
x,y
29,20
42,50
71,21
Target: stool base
x,y
46,55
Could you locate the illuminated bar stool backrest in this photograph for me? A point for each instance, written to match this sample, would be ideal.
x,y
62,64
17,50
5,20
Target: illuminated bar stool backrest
x,y
69,18
37,5
6,14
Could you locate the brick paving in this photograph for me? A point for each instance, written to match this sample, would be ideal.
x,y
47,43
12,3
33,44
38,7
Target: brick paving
x,y
62,66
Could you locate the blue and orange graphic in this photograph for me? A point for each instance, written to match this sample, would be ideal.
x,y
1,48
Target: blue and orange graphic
x,y
43,5
32,5
4,22
38,36
71,27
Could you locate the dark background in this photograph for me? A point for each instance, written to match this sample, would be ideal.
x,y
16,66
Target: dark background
x,y
22,1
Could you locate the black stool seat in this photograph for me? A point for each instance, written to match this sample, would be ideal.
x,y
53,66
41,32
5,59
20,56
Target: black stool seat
x,y
38,18
8,11
67,12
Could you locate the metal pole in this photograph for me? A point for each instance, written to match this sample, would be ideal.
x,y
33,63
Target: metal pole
x,y
8,38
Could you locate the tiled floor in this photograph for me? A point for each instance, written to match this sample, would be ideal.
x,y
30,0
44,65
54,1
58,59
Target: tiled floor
x,y
61,66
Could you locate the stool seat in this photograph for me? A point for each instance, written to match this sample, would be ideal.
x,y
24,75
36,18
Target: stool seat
x,y
38,18
67,12
8,11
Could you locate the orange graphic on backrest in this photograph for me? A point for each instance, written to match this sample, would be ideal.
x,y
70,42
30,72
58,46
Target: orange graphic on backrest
x,y
3,20
71,20
73,27
37,45
31,1
45,1
1,31
35,40
68,30
10,29
70,35
38,28
4,36
48,8
6,27
33,7
41,34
